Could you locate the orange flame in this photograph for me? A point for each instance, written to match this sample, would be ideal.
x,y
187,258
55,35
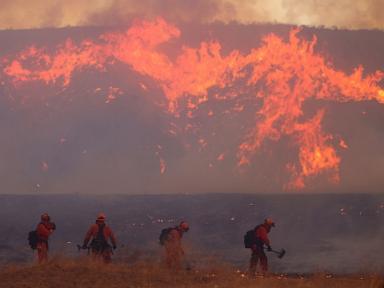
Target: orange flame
x,y
381,96
314,153
281,75
162,163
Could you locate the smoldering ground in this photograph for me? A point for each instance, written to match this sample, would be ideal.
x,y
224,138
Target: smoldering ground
x,y
105,135
339,234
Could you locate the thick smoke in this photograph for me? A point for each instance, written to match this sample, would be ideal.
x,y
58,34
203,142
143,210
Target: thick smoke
x,y
85,139
17,14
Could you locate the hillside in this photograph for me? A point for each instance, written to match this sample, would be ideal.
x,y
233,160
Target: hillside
x,y
64,273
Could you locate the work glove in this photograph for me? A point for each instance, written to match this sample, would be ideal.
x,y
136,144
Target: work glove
x,y
269,248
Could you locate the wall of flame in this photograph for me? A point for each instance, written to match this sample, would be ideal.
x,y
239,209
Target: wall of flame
x,y
273,81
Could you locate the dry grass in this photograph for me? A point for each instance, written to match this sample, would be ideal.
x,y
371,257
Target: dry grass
x,y
60,273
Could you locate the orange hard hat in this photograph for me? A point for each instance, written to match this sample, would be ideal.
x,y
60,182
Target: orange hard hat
x,y
101,217
269,222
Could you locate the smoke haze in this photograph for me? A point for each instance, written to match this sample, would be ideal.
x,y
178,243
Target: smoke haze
x,y
324,233
105,127
107,131
21,14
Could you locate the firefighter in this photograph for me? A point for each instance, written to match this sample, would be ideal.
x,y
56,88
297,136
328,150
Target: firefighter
x,y
261,239
44,229
174,252
101,234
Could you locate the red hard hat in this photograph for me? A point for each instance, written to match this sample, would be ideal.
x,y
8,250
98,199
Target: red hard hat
x,y
101,217
184,225
45,217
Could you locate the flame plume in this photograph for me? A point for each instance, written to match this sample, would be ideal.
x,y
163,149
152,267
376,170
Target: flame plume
x,y
280,75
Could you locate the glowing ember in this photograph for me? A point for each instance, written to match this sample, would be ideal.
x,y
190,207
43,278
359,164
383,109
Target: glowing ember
x,y
62,140
44,166
343,211
221,157
162,163
113,93
279,75
143,86
342,144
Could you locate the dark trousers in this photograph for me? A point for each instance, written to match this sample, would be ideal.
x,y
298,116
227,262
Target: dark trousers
x,y
105,254
258,254
42,251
